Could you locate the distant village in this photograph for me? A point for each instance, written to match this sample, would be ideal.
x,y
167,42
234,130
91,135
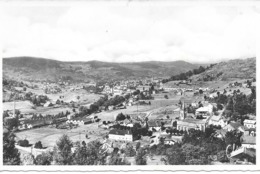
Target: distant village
x,y
195,109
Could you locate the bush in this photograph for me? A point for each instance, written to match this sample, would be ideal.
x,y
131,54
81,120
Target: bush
x,y
58,102
219,106
23,143
129,151
38,145
43,159
120,117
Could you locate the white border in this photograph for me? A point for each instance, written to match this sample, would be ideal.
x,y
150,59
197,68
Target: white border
x,y
174,168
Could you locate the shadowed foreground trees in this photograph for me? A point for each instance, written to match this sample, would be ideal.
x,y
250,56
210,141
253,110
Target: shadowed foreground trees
x,y
88,154
62,153
11,156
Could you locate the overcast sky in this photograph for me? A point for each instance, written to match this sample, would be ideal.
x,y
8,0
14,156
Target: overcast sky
x,y
130,32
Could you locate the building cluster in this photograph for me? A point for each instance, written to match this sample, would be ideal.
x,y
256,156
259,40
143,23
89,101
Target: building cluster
x,y
130,86
172,129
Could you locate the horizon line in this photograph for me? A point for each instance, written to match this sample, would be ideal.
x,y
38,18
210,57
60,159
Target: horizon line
x,y
208,62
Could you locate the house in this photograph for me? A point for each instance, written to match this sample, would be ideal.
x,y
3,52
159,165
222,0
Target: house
x,y
29,124
205,111
250,123
167,138
170,89
251,132
70,116
221,133
80,121
47,104
155,140
234,126
169,141
248,141
213,95
110,108
93,118
117,92
127,123
143,88
217,121
187,124
154,125
121,135
167,123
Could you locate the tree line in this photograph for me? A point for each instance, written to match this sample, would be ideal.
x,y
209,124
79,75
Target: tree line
x,y
102,102
186,75
237,105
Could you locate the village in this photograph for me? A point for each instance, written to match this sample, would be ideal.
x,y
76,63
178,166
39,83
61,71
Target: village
x,y
149,86
127,114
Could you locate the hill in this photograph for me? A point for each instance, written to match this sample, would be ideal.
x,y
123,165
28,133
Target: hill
x,y
30,68
233,69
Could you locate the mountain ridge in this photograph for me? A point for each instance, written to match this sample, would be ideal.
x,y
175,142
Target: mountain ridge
x,y
43,69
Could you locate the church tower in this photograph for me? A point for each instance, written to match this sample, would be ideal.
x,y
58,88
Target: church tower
x,y
182,111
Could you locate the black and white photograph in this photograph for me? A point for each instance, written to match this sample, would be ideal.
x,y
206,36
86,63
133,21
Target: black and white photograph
x,y
140,84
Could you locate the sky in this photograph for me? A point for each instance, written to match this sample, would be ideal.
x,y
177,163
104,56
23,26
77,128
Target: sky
x,y
130,32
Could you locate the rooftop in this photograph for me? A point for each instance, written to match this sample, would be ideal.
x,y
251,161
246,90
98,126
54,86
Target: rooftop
x,y
81,119
250,121
235,125
247,139
190,120
120,132
221,131
205,109
215,118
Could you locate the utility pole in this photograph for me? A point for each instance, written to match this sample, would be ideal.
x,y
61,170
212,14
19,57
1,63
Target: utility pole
x,y
137,107
14,109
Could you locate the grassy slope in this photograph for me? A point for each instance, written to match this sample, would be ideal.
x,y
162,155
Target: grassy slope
x,y
233,69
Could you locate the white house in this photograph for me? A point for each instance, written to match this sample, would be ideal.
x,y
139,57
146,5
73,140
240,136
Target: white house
x,y
205,111
187,124
47,104
248,141
217,121
117,92
79,121
250,123
169,89
234,126
122,135
169,141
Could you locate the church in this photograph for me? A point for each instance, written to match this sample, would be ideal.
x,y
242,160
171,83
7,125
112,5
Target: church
x,y
185,123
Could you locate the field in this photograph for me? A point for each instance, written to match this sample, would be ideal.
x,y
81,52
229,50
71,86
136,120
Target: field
x,y
84,96
49,135
52,110
23,106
